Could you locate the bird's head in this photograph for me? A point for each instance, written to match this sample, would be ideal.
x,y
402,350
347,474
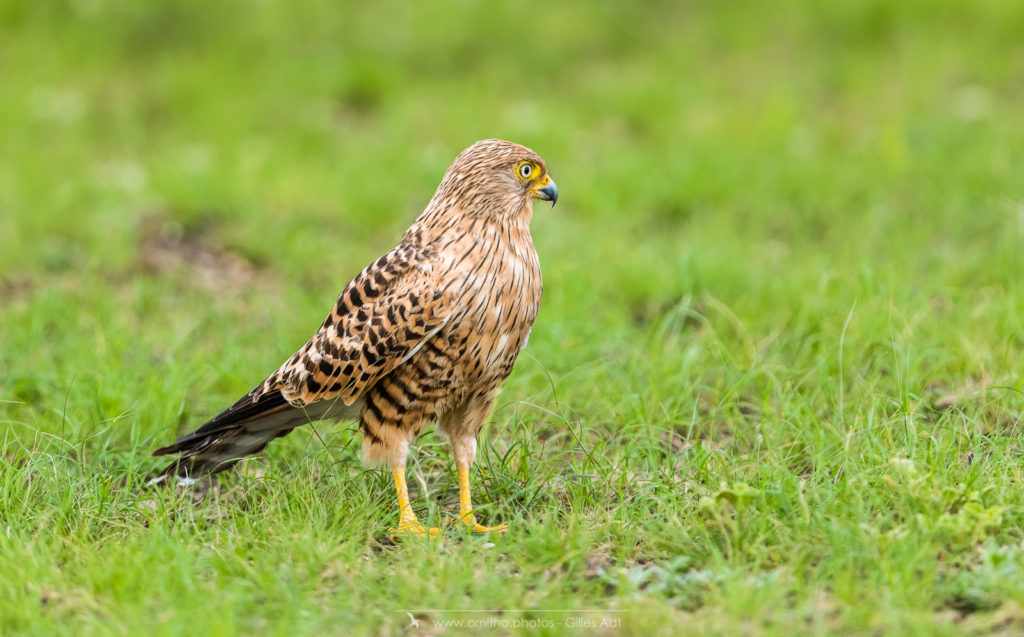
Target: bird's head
x,y
496,177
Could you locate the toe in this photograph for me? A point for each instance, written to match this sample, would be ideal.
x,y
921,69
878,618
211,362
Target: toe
x,y
469,521
415,529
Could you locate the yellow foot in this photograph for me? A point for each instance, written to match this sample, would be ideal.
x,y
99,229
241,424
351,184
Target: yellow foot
x,y
407,528
478,528
501,529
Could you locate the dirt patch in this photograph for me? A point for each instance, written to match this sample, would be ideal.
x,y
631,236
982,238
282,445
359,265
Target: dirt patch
x,y
168,248
15,287
949,398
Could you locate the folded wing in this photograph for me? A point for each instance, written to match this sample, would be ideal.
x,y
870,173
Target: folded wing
x,y
383,316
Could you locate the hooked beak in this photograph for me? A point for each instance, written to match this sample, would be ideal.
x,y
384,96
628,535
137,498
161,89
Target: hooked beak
x,y
546,190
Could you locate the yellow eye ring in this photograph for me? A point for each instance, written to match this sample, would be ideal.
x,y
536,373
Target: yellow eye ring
x,y
525,170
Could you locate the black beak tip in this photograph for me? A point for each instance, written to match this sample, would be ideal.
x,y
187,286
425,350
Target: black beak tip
x,y
550,193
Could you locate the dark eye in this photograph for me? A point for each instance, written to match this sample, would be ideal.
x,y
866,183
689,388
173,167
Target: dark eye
x,y
525,170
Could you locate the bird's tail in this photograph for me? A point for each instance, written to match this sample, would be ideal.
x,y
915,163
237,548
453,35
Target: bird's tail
x,y
243,429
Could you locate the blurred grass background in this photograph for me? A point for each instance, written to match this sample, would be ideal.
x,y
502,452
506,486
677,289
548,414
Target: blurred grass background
x,y
787,254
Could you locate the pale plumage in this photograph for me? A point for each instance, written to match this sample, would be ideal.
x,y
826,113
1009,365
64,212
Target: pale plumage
x,y
427,332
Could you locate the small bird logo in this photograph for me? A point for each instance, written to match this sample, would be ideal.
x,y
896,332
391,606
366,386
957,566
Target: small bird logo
x,y
413,622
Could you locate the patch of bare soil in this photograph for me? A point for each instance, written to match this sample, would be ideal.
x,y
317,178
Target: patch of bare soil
x,y
169,248
14,287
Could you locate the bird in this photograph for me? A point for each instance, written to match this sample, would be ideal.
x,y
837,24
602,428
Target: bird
x,y
428,333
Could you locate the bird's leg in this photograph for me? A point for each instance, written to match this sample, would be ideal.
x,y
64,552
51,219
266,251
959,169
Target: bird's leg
x,y
462,425
466,503
407,522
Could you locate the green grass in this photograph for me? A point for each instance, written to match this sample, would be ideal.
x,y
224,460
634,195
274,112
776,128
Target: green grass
x,y
775,386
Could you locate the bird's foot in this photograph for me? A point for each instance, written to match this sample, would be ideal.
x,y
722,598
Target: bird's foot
x,y
479,529
412,528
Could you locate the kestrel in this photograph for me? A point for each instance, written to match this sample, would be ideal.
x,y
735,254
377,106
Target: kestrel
x,y
428,332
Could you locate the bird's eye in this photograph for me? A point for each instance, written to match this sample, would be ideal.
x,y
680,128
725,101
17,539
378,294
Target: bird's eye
x,y
525,170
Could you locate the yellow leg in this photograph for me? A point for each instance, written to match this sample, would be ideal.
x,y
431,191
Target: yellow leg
x,y
466,503
407,522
